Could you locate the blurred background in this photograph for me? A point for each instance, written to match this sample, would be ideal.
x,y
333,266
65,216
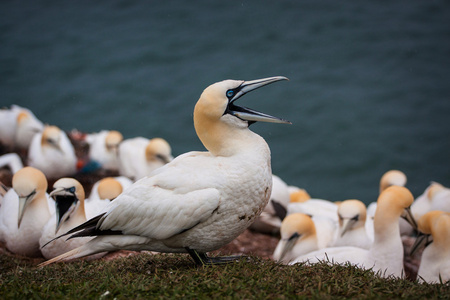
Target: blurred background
x,y
369,81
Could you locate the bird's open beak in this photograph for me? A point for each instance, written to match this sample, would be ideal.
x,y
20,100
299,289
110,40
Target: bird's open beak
x,y
23,203
407,215
248,114
422,241
65,203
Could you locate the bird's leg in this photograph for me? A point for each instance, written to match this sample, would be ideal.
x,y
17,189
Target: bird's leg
x,y
201,259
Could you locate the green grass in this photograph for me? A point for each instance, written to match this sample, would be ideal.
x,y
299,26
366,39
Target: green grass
x,y
175,276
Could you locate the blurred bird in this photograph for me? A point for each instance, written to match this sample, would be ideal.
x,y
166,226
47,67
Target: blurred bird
x,y
139,157
435,263
52,153
103,192
200,201
392,177
104,148
24,212
386,253
18,125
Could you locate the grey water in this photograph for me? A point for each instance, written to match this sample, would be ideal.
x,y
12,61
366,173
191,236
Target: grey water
x,y
369,80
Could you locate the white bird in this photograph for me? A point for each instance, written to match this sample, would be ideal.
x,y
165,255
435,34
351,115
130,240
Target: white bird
x,y
103,192
435,263
352,220
298,237
104,148
24,212
139,157
392,177
200,201
386,253
52,152
68,195
11,161
274,212
18,125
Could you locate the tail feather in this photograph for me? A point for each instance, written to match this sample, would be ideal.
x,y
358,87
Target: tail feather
x,y
75,253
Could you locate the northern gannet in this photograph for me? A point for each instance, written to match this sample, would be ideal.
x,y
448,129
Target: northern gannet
x,y
68,195
274,212
200,201
298,237
386,253
139,156
24,212
18,125
435,263
352,220
103,192
104,148
392,177
52,152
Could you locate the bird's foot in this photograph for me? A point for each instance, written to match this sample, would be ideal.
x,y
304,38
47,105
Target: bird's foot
x,y
201,259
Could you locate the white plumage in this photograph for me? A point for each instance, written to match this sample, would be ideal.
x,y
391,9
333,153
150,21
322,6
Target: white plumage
x,y
200,201
52,153
386,253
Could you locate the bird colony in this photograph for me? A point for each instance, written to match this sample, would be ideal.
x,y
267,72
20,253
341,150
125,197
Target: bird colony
x,y
144,199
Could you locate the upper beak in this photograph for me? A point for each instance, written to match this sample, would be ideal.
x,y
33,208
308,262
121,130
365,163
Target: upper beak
x,y
407,215
248,114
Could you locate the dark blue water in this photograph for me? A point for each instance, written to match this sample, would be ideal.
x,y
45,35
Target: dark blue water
x,y
369,81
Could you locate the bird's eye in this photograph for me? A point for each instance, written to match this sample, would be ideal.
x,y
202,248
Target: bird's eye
x,y
72,189
230,93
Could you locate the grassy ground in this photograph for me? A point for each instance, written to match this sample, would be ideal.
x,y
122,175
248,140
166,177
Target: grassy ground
x,y
175,276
